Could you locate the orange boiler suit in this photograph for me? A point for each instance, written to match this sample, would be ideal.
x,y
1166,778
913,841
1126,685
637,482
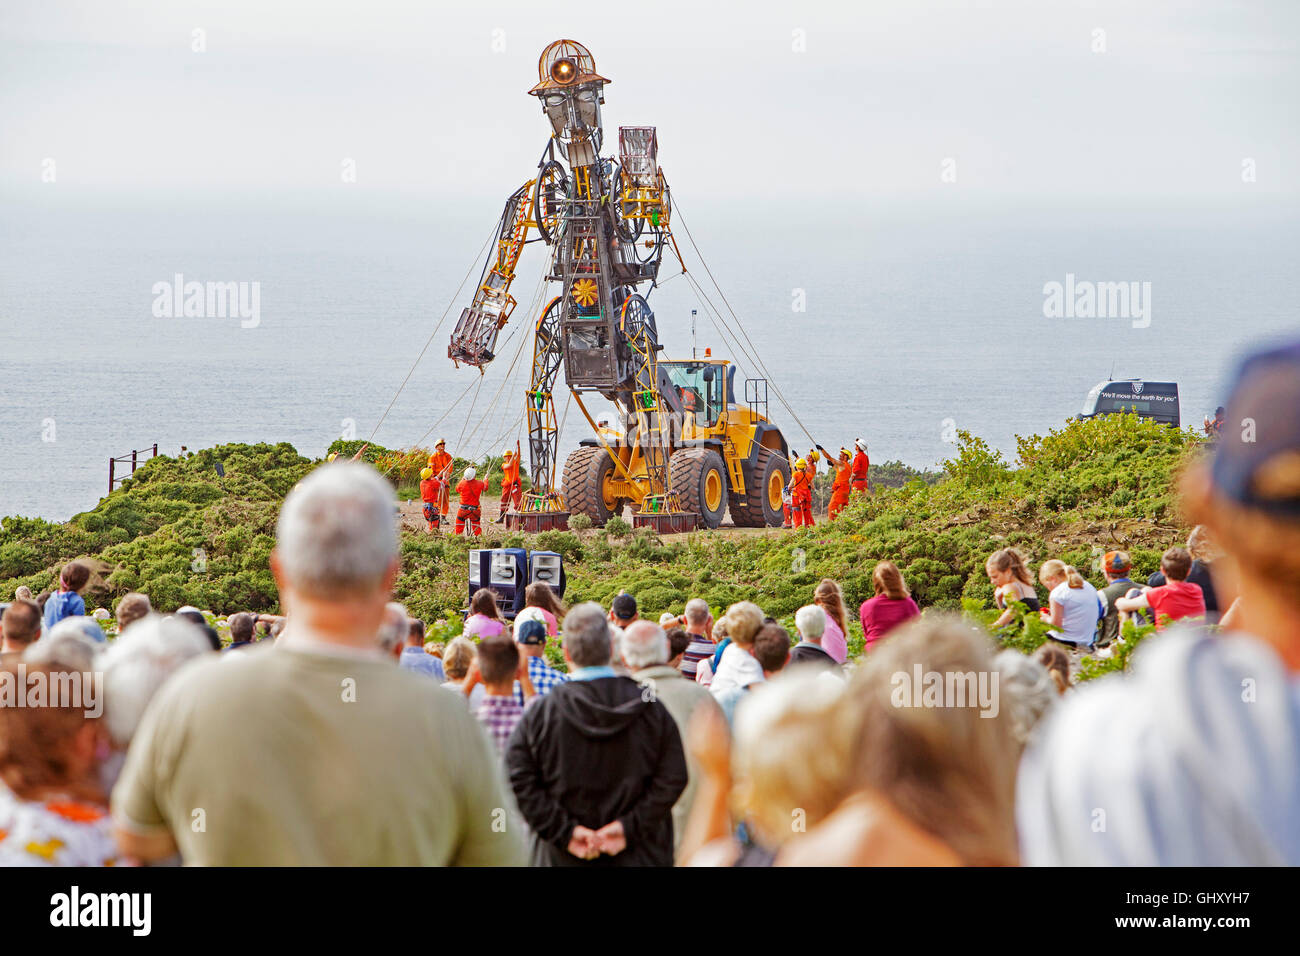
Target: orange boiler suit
x,y
839,488
801,499
430,492
469,511
440,462
860,465
512,490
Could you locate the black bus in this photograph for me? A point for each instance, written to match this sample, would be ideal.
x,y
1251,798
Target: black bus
x,y
1157,401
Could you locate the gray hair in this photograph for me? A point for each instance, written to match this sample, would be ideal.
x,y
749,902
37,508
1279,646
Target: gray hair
x,y
131,608
67,645
336,534
394,628
587,635
1030,691
810,621
139,662
697,611
644,644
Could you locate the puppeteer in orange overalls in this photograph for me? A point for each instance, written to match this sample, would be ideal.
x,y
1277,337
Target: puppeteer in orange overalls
x,y
430,492
840,486
801,495
512,490
470,511
858,481
440,462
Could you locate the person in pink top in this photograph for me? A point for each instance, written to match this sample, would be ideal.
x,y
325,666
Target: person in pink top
x,y
484,619
891,606
540,596
830,599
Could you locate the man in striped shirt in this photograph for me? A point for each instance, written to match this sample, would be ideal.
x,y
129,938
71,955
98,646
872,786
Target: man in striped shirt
x,y
698,627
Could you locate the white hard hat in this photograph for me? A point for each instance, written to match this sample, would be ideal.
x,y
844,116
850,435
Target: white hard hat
x,y
861,443
470,474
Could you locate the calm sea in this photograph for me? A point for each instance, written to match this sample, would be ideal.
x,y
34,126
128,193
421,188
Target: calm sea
x,y
912,315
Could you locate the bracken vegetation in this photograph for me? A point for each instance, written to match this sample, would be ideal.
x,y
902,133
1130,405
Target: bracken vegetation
x,y
186,536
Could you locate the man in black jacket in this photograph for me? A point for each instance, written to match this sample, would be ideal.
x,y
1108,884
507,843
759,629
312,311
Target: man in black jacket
x,y
597,764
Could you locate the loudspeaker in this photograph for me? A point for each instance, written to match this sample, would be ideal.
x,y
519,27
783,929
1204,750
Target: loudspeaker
x,y
547,567
480,569
508,577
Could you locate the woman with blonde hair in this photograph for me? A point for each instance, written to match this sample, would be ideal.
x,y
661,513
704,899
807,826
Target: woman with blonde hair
x,y
1010,578
1057,664
456,661
788,752
925,785
891,606
830,599
1074,606
737,666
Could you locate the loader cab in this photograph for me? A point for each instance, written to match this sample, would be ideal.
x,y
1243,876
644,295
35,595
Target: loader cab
x,y
704,387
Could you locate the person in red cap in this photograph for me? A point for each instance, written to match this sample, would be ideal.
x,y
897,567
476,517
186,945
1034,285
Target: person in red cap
x,y
512,490
1116,565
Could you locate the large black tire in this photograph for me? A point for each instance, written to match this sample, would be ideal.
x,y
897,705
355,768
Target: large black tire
x,y
586,473
760,506
700,480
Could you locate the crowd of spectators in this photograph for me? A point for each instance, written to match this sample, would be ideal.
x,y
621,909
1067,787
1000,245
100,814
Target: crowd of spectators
x,y
591,736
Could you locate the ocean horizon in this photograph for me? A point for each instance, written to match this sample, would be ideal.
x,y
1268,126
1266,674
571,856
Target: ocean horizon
x,y
897,320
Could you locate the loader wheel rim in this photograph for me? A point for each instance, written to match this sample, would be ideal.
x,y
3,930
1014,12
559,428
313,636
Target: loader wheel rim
x,y
713,490
607,492
775,485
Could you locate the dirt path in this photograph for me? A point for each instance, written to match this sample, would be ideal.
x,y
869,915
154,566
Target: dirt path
x,y
413,520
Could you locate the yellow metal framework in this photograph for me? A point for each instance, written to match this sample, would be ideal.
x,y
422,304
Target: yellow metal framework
x,y
494,293
648,203
543,431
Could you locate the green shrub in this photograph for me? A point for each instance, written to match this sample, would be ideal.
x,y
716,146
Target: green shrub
x,y
1113,476
564,543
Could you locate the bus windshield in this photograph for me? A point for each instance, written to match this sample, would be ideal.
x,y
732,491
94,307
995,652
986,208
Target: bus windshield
x,y
1090,403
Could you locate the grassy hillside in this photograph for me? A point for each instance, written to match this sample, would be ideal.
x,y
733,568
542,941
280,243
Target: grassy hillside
x,y
184,535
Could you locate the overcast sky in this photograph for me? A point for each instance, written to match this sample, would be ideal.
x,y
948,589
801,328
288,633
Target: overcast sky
x,y
884,92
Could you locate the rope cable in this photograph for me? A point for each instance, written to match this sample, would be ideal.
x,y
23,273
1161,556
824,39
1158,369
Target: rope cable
x,y
740,325
436,423
461,437
434,333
